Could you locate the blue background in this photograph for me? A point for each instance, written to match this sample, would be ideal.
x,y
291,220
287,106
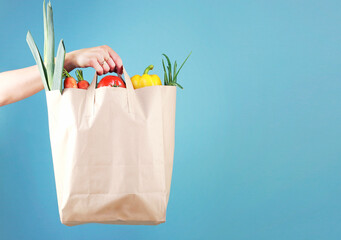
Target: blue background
x,y
258,130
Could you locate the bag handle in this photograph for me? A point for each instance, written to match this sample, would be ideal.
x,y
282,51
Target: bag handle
x,y
131,97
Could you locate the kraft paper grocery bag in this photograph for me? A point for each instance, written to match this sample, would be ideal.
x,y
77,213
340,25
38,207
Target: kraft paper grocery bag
x,y
112,152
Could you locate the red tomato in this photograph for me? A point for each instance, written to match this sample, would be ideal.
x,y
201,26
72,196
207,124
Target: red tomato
x,y
111,81
83,84
70,82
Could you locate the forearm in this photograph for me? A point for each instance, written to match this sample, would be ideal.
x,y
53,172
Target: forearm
x,y
19,84
22,83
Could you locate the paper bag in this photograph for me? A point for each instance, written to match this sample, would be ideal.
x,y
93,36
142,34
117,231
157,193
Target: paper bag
x,y
112,152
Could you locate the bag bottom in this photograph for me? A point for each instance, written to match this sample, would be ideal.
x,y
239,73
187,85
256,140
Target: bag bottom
x,y
117,222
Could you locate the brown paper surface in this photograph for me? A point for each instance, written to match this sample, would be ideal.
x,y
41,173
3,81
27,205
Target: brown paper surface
x,y
112,153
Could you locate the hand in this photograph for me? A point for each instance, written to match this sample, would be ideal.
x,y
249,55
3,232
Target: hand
x,y
103,59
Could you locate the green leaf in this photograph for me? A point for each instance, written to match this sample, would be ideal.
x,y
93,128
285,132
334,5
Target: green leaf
x,y
165,80
38,59
59,67
179,85
169,74
175,65
45,32
50,45
79,74
172,81
66,73
182,65
169,68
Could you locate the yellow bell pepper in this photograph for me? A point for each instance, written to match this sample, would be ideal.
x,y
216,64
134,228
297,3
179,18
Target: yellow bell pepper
x,y
146,80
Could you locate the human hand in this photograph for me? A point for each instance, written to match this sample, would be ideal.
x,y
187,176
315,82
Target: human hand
x,y
103,59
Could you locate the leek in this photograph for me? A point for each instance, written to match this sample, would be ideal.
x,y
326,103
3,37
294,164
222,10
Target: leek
x,y
45,32
37,57
50,72
50,45
59,67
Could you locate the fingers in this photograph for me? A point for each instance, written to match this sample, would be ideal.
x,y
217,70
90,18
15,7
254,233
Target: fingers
x,y
101,66
95,64
105,67
111,64
116,59
103,59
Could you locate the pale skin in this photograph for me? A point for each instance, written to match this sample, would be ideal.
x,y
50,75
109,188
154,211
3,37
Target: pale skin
x,y
19,84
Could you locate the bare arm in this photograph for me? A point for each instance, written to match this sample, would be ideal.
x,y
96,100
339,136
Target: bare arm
x,y
19,84
22,83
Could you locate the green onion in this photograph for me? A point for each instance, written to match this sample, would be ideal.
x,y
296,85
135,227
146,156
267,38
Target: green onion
x,y
168,78
169,68
165,81
182,65
175,65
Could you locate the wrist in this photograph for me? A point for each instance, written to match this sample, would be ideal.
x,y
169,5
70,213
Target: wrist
x,y
69,63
